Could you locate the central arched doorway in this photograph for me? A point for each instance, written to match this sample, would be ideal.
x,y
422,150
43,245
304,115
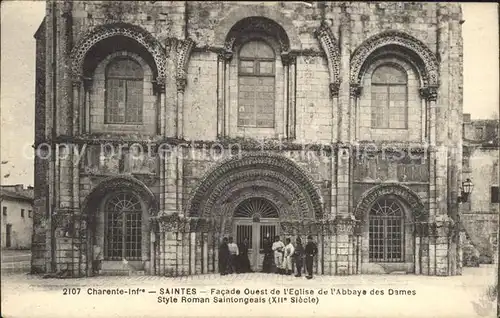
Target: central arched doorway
x,y
255,219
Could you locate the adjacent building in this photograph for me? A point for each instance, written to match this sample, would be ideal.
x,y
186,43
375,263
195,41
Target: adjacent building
x,y
16,203
178,123
480,164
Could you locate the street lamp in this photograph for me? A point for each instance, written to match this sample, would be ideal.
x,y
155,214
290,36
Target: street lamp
x,y
467,187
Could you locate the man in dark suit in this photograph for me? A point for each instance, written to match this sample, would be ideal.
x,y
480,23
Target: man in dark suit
x,y
223,257
311,250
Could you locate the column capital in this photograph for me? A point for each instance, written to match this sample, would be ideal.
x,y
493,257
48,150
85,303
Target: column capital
x,y
288,58
345,224
87,82
225,55
334,89
429,93
355,90
76,82
181,84
160,84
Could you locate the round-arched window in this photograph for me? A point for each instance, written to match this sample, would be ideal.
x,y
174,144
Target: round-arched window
x,y
389,88
124,92
386,231
123,232
256,85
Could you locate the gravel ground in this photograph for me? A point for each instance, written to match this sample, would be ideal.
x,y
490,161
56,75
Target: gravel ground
x,y
460,296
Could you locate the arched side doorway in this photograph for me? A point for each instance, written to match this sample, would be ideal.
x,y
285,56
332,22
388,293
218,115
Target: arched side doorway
x,y
386,231
388,214
118,210
123,222
255,219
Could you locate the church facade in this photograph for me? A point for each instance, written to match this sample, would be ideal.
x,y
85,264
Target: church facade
x,y
162,127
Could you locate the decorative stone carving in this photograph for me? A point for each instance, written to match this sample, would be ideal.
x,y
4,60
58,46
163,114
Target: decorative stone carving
x,y
87,82
225,56
121,183
256,25
228,46
277,166
274,180
331,48
334,89
160,84
345,224
240,190
289,58
181,84
429,93
419,213
77,80
422,229
184,48
430,72
102,32
355,90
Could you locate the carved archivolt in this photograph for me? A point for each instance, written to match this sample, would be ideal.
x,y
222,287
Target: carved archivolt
x,y
184,48
273,181
430,72
265,166
123,29
122,183
331,48
417,208
269,19
252,26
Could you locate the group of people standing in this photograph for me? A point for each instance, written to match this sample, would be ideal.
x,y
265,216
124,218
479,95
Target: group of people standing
x,y
233,258
278,257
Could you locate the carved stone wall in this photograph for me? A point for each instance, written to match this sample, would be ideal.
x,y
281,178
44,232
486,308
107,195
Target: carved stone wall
x,y
324,50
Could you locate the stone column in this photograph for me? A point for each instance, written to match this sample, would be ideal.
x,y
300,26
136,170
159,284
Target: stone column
x,y
290,65
180,179
85,122
444,227
161,153
160,87
168,245
223,66
429,95
221,94
226,91
355,93
344,230
181,86
77,90
170,177
432,248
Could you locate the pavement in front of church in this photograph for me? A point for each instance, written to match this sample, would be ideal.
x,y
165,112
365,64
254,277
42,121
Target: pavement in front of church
x,y
26,295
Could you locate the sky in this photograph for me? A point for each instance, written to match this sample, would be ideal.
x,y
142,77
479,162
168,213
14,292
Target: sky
x,y
20,20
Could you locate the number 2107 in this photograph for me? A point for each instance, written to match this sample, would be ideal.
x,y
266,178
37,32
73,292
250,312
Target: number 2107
x,y
71,291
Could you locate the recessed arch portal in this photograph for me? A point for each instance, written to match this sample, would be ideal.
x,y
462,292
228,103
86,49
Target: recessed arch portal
x,y
275,173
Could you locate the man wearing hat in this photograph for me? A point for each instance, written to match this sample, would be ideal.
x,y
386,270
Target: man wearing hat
x,y
311,250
